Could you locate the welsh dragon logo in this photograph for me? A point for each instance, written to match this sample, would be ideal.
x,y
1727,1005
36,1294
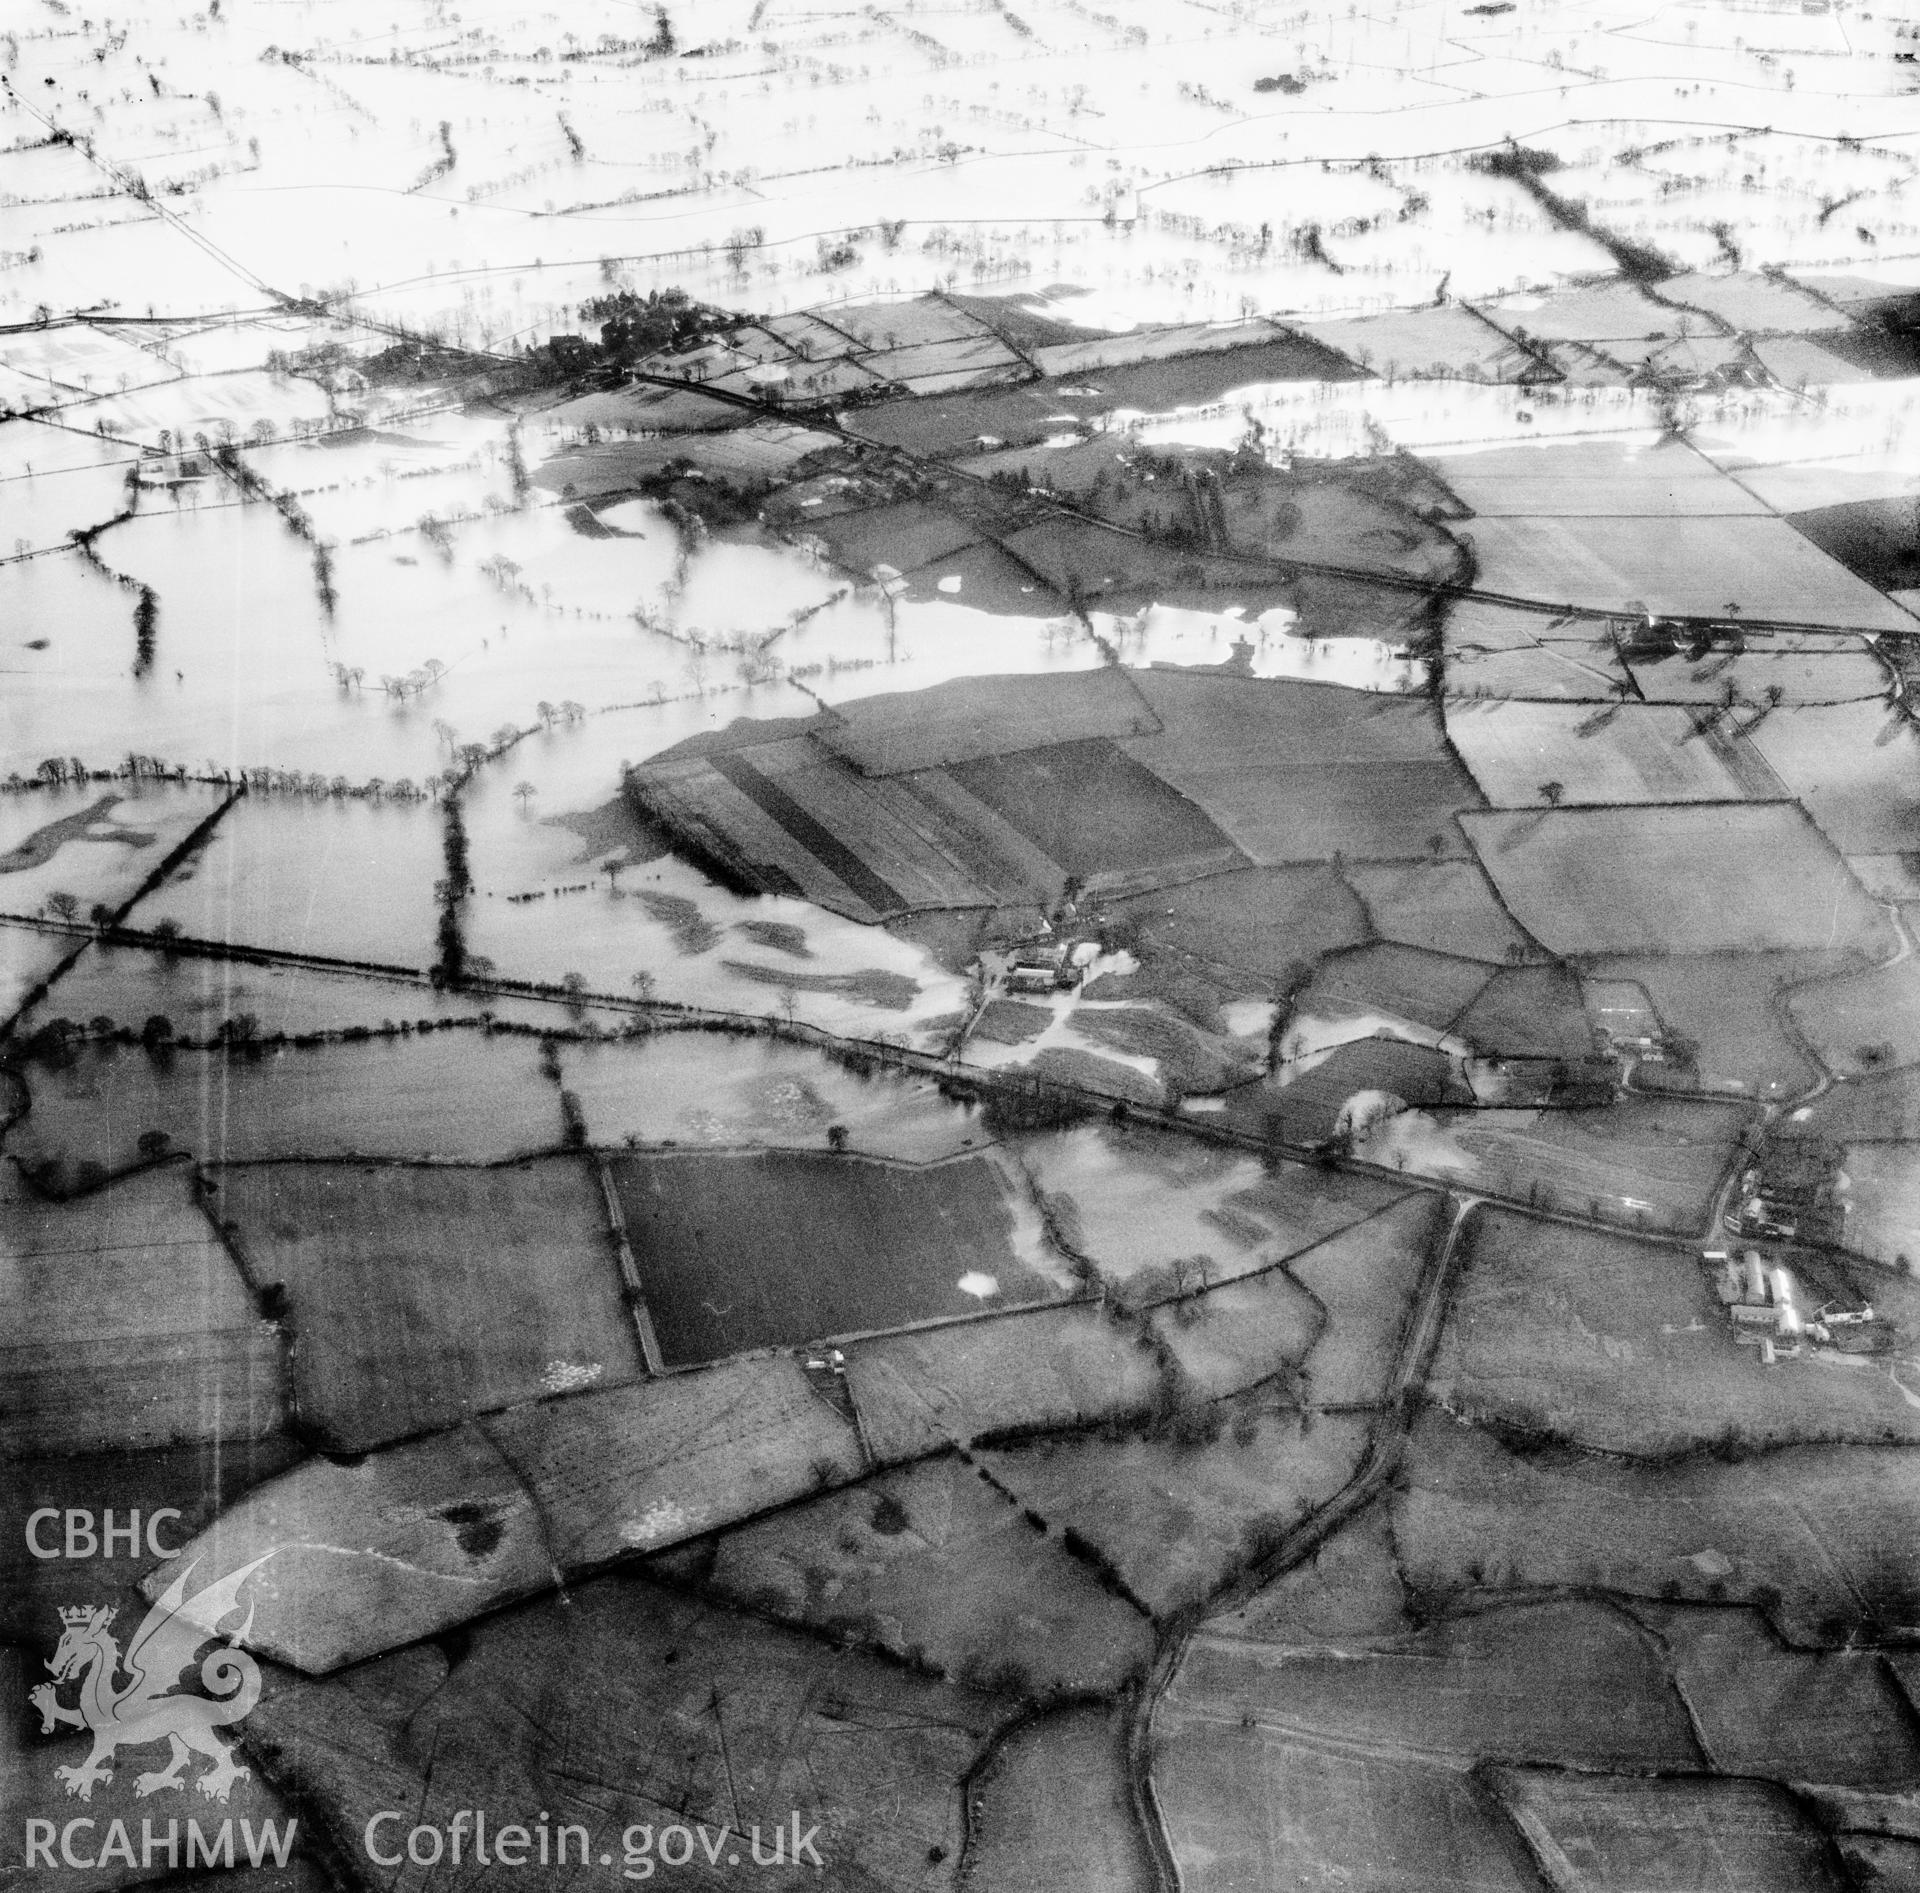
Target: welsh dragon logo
x,y
145,1709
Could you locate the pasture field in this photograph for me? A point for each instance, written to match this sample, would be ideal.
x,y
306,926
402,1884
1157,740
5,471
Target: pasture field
x,y
1240,1335
1794,1715
1271,923
1855,766
1190,1062
1569,670
1251,1806
1623,1347
1603,1836
1053,1811
698,1715
1132,1201
1683,879
1176,1519
1037,1369
904,534
1300,772
1881,1199
1450,340
1403,982
390,1546
418,1297
1811,670
933,1564
976,717
462,1094
1861,1024
1754,302
1700,1529
1685,564
1594,312
1642,1163
910,322
1527,1012
128,1325
1535,755
863,1245
1445,907
1348,1593
1305,1106
1565,1677
1365,1278
1731,1006
1878,1105
715,1090
1638,475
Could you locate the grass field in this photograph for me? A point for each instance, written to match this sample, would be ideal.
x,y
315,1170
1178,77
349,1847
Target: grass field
x,y
128,1325
1250,1807
1731,1006
1813,668
1443,906
1527,1012
976,717
1641,475
1053,1811
1682,563
1563,1677
936,1566
1272,923
1704,1528
462,1094
1449,340
1795,1715
1299,772
700,1715
1599,1835
419,1297
1644,1163
1533,755
1855,766
1175,1519
1686,879
1861,1024
1882,1200
1039,1369
1624,1348
1365,1279
1403,982
1348,1592
862,1245
712,1089
1307,1107
1132,1201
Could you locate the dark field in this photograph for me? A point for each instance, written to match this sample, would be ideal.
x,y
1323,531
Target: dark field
x,y
417,1296
1093,809
782,1247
